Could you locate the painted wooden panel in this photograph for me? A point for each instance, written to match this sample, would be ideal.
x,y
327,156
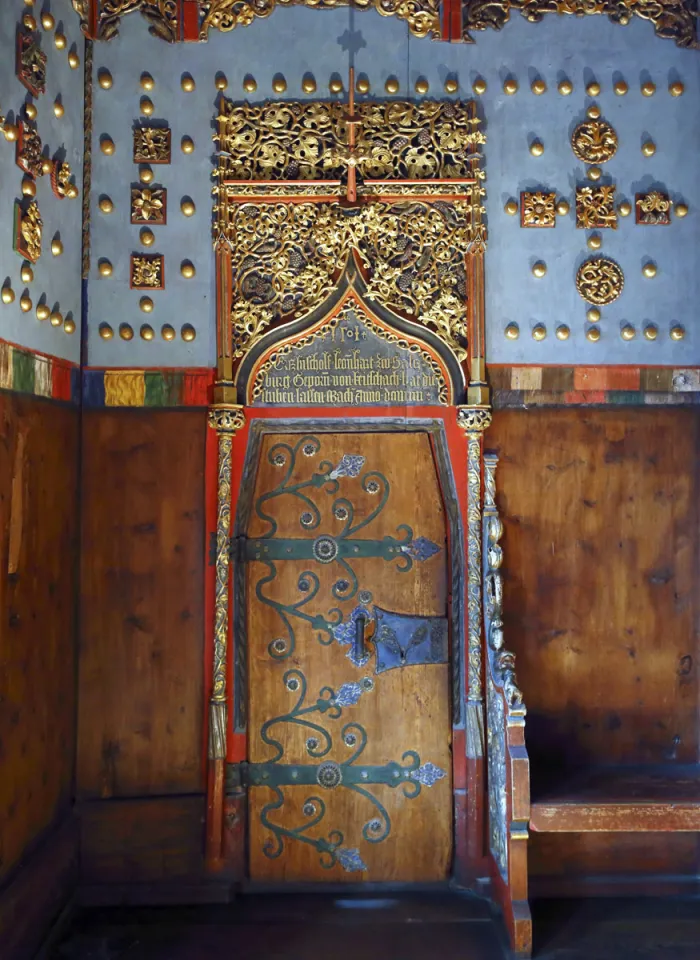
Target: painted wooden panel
x,y
389,833
601,536
38,582
141,660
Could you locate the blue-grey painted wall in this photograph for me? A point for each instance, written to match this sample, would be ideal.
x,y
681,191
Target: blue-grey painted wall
x,y
56,279
294,41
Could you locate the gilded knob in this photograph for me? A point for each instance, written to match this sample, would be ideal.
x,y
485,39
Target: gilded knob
x,y
107,146
147,237
512,331
649,89
167,332
681,209
563,207
392,85
8,295
451,85
42,312
250,84
594,173
146,106
46,166
649,148
624,208
106,205
362,85
594,242
651,332
536,148
58,108
60,41
126,331
188,333
10,132
539,331
73,60
48,22
56,318
562,332
28,187
187,83
538,87
593,315
510,86
511,208
565,88
146,304
621,88
593,334
628,332
106,331
593,112
422,86
539,269
279,84
147,81
56,247
104,268
30,111
26,273
29,21
188,208
187,269
308,84
479,86
335,85
677,332
649,270
220,81
146,175
593,89
187,145
146,332
69,325
676,89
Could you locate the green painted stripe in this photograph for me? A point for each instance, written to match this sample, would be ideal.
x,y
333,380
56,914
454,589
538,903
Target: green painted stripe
x,y
155,393
173,387
22,371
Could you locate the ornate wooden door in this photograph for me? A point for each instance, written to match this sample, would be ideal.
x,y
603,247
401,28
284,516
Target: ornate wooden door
x,y
349,717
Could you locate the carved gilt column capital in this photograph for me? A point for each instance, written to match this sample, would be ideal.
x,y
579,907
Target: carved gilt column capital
x,y
474,419
226,418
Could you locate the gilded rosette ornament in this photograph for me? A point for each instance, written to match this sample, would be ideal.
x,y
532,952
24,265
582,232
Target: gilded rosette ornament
x,y
538,209
600,280
595,208
147,272
148,205
594,141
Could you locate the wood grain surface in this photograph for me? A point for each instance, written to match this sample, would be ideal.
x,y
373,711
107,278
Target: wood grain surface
x,y
408,709
141,661
38,544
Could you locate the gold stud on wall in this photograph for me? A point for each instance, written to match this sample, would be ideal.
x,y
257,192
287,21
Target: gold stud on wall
x,y
422,86
56,247
30,110
651,332
147,237
147,81
8,294
220,81
26,273
392,85
539,269
167,332
512,331
28,187
624,208
562,332
649,270
250,84
29,21
594,173
187,83
593,334
146,332
69,325
187,206
539,331
42,312
73,60
648,89
335,85
107,146
146,304
46,166
628,332
279,84
563,207
104,268
676,89
60,41
681,209
308,83
593,89
510,86
536,148
511,207
126,331
594,242
362,85
565,88
146,174
621,88
451,85
188,333
187,145
58,108
593,315
479,86
538,87
56,318
106,205
649,148
48,22
677,332
106,331
10,132
146,105
187,269
593,112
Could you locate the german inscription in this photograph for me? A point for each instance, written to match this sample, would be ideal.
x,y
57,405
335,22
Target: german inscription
x,y
349,364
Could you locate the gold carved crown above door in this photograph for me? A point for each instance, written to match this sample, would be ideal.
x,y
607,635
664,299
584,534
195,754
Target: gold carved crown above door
x,y
393,191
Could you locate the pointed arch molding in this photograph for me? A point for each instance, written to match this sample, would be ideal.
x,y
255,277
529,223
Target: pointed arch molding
x,y
455,20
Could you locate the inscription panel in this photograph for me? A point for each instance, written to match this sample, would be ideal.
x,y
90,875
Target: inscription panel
x,y
350,361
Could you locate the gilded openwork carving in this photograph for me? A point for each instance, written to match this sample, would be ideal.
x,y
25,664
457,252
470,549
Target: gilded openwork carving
x,y
538,209
152,144
163,17
595,207
28,231
653,208
147,271
672,19
148,205
594,141
600,280
31,63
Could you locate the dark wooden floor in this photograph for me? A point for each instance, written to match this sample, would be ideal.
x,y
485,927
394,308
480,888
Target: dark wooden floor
x,y
426,928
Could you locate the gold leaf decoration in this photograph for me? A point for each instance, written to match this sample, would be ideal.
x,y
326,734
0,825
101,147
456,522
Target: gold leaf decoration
x,y
653,208
148,205
538,209
595,208
147,271
600,280
594,141
152,145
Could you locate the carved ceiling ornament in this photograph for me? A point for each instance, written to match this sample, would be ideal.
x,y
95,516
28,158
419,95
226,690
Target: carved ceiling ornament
x,y
594,141
538,209
28,151
163,17
31,63
28,231
600,281
653,208
672,19
595,207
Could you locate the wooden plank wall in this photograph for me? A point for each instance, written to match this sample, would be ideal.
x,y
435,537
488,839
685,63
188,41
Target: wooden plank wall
x,y
601,569
38,589
141,683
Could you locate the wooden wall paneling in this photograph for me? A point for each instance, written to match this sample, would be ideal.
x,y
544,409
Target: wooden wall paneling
x,y
38,543
141,660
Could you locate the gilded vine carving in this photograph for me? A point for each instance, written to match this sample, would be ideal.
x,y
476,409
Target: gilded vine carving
x,y
600,280
595,207
672,19
162,15
594,141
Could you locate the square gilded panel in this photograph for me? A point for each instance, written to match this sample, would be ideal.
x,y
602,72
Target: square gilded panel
x,y
595,208
653,208
147,271
149,205
31,63
538,209
152,144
